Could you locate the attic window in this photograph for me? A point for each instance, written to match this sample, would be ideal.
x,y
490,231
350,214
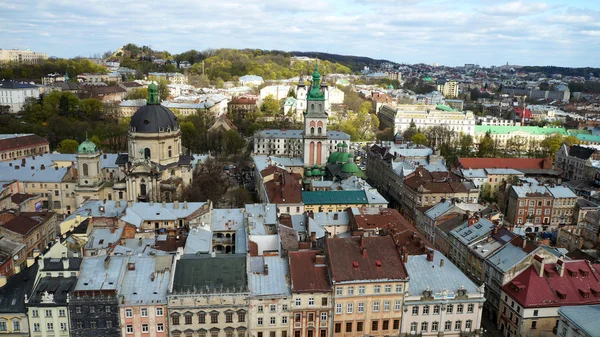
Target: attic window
x,y
572,272
101,241
518,286
583,272
378,263
584,293
131,266
596,292
561,294
355,264
146,121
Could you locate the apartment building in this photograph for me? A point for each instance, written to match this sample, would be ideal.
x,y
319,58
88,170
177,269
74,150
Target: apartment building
x,y
33,229
368,280
572,160
440,299
143,296
270,296
529,206
426,116
530,303
17,146
563,206
211,304
579,321
22,56
311,307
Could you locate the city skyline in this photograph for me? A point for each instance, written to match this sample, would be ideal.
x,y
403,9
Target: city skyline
x,y
552,32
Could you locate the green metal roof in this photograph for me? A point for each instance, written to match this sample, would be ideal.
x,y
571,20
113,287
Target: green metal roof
x,y
315,93
589,138
444,107
427,79
195,273
575,132
153,97
536,130
338,157
350,167
87,147
334,197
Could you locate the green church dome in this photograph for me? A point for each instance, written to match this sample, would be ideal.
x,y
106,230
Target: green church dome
x,y
350,167
87,147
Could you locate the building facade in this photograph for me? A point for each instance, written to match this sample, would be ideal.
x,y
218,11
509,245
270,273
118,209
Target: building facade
x,y
17,146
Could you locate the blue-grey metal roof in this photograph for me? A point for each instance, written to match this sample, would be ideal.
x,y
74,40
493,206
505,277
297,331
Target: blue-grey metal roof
x,y
562,192
147,282
337,135
101,273
474,173
439,209
287,134
249,78
227,219
100,208
507,257
503,171
199,240
467,234
241,241
585,317
425,275
101,237
274,282
260,215
143,211
522,191
263,161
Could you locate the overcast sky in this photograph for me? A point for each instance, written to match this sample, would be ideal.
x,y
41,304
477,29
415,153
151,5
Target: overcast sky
x,y
450,32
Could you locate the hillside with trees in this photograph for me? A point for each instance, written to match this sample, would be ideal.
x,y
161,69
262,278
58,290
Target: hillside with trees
x,y
356,63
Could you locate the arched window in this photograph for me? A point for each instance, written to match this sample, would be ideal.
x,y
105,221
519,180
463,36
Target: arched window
x,y
312,131
146,153
319,131
143,188
120,195
320,107
85,169
312,107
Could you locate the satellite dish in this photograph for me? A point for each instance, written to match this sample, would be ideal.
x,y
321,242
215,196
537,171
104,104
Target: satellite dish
x,y
16,257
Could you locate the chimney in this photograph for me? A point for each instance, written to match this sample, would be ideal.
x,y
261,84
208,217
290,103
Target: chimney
x,y
107,262
105,156
560,266
16,167
430,255
164,204
441,263
185,205
140,242
152,276
319,259
538,264
117,204
362,242
495,229
175,204
404,257
266,269
129,203
151,202
32,167
10,164
524,243
23,161
364,252
473,220
65,263
43,167
313,236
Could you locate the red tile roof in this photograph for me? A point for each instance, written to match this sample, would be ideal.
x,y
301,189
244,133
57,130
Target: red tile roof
x,y
364,258
519,111
22,142
390,222
243,100
19,198
530,290
26,222
284,188
435,182
513,163
305,275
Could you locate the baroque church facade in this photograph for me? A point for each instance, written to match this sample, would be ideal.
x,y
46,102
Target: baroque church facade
x,y
314,143
154,167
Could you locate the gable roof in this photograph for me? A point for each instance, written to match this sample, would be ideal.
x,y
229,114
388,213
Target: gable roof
x,y
306,276
581,152
12,295
530,290
25,222
334,197
20,141
364,258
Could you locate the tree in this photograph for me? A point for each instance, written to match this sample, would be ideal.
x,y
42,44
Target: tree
x,y
465,144
486,146
208,183
96,141
551,144
291,93
270,106
516,145
386,134
571,140
419,139
68,146
239,197
137,93
234,142
411,131
91,108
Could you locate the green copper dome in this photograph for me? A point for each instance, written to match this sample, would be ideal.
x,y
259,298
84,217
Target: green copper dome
x,y
315,93
350,167
153,97
338,157
87,147
308,174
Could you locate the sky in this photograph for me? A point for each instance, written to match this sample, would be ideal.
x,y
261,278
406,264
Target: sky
x,y
447,32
